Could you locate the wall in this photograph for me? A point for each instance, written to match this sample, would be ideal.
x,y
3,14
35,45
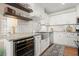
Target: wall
x,y
2,24
68,16
39,12
27,27
77,10
65,17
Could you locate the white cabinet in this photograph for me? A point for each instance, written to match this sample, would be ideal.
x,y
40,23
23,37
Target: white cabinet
x,y
65,38
51,37
44,44
59,38
70,38
8,47
37,45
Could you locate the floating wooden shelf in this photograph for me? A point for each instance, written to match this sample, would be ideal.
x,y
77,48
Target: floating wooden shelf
x,y
17,5
17,16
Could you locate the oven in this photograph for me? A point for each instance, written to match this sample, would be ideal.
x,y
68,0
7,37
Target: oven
x,y
24,47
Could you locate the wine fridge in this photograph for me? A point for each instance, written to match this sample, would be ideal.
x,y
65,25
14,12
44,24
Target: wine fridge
x,y
24,47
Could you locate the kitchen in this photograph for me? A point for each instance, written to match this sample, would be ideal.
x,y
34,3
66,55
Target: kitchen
x,y
32,29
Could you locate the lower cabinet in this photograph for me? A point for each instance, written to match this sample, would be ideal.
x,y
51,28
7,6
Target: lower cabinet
x,y
65,38
70,38
37,45
40,44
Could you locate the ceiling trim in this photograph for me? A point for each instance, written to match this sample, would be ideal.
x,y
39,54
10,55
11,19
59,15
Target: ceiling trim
x,y
73,9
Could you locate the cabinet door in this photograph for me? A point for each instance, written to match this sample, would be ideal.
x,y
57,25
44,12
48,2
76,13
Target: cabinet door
x,y
70,38
37,45
59,38
51,37
65,38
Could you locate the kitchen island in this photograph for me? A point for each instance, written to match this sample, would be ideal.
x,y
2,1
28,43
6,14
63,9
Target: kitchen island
x,y
20,44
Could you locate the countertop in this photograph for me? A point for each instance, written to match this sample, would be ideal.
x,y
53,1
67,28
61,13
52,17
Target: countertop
x,y
17,36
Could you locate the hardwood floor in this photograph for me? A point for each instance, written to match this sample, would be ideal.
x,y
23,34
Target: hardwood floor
x,y
69,51
60,50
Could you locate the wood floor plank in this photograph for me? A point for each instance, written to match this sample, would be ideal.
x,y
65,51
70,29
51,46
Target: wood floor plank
x,y
69,51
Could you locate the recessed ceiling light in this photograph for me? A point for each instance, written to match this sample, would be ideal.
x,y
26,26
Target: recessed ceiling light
x,y
63,3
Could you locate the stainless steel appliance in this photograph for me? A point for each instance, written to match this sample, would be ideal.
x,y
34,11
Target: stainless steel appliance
x,y
77,27
24,47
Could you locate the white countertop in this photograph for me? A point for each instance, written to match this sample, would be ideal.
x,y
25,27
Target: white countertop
x,y
17,36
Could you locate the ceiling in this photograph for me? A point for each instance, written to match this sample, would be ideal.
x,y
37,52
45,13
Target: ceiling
x,y
55,7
